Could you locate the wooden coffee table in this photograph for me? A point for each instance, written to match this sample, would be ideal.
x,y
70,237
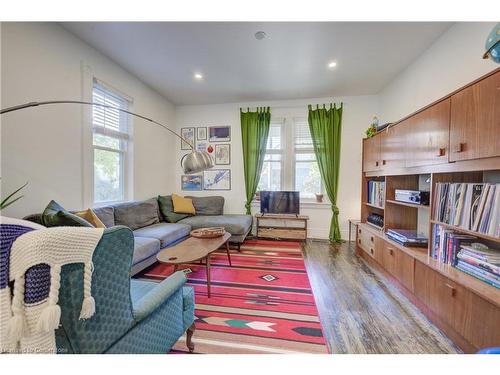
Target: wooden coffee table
x,y
194,249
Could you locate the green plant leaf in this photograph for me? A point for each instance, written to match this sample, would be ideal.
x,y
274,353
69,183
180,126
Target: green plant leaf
x,y
6,202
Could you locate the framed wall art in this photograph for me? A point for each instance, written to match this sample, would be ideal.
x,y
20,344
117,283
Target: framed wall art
x,y
219,133
191,182
201,134
188,135
223,154
217,179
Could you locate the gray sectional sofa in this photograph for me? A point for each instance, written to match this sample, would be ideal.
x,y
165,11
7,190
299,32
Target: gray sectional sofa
x,y
152,232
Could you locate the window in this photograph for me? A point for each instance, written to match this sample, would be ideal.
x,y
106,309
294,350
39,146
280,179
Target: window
x,y
307,175
110,144
290,161
272,169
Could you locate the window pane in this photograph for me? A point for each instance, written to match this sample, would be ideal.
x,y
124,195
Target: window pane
x,y
274,139
105,141
305,157
307,179
108,184
303,138
270,178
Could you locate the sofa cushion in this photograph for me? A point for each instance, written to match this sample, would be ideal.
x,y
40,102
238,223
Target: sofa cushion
x,y
137,214
106,214
234,224
144,248
167,209
55,215
212,205
183,205
167,233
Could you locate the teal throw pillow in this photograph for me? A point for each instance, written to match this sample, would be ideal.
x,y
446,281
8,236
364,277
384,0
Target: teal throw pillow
x,y
55,215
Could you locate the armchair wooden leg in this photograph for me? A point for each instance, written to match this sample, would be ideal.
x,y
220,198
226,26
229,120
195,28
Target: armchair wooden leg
x,y
189,337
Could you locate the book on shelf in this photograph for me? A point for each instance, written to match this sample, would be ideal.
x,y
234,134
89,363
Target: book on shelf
x,y
462,252
376,193
471,206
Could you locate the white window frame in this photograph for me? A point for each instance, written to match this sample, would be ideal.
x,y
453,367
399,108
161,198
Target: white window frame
x,y
295,151
282,150
288,152
88,200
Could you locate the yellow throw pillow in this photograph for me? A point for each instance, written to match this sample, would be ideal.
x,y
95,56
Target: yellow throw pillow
x,y
183,205
91,217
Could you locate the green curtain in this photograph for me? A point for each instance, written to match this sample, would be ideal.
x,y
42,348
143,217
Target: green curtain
x,y
325,125
254,133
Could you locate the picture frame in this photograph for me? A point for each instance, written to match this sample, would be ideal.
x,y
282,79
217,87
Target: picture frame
x,y
201,134
219,133
192,182
201,146
188,134
223,154
217,179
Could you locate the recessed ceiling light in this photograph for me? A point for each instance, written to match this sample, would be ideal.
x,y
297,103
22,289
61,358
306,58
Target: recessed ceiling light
x,y
259,35
198,76
332,64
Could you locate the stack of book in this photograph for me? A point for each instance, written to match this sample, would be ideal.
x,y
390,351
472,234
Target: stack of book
x,y
482,264
446,244
376,193
474,207
407,237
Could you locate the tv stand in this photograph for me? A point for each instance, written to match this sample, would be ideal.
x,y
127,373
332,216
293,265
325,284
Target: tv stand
x,y
289,227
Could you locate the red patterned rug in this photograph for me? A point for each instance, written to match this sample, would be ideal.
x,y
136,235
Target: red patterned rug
x,y
262,304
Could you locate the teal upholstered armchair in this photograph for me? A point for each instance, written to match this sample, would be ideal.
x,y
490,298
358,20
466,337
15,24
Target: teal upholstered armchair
x,y
132,316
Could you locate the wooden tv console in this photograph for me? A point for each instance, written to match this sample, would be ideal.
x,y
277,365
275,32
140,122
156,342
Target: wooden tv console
x,y
455,139
289,227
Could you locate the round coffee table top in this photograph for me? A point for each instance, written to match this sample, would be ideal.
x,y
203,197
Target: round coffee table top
x,y
191,250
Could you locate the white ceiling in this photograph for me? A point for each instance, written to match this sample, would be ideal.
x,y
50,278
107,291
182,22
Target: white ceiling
x,y
291,63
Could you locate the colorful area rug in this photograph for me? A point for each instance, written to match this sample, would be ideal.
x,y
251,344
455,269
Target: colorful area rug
x,y
262,304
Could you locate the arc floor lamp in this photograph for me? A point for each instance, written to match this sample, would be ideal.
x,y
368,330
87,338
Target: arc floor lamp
x,y
194,162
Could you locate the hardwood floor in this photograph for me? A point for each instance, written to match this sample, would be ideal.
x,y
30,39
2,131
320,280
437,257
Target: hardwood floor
x,y
361,312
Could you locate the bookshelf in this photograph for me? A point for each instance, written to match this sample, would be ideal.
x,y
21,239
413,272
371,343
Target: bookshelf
x,y
454,144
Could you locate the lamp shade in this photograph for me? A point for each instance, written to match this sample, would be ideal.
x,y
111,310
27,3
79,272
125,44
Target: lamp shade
x,y
196,161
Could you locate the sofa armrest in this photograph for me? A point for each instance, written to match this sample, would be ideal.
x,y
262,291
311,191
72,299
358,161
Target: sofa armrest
x,y
157,296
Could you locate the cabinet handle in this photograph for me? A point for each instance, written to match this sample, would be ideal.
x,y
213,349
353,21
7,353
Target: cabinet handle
x,y
453,290
391,251
371,238
441,152
359,231
460,147
359,241
371,251
376,163
383,162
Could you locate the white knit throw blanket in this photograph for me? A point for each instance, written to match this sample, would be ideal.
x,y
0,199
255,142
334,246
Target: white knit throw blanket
x,y
31,328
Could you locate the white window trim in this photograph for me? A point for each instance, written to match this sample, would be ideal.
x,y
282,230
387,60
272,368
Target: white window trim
x,y
88,147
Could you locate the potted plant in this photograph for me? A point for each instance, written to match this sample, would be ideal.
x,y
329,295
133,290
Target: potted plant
x,y
11,199
319,197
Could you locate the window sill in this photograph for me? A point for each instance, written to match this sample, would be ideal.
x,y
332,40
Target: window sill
x,y
304,204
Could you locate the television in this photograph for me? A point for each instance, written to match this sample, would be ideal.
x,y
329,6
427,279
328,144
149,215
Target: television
x,y
279,202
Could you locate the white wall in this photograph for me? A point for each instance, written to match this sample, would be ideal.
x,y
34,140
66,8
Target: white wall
x,y
452,61
45,146
357,115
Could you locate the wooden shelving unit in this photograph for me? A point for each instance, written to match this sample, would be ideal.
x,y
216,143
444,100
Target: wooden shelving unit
x,y
279,227
458,141
407,204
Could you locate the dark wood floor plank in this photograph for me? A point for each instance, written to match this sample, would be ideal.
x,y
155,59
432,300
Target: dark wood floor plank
x,y
361,311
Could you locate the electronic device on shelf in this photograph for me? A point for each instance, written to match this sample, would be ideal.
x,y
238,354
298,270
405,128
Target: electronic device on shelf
x,y
375,219
412,196
407,237
280,202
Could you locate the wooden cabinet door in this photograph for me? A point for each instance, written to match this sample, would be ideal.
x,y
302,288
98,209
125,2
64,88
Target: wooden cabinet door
x,y
393,145
371,154
428,139
387,257
421,287
483,328
475,121
403,268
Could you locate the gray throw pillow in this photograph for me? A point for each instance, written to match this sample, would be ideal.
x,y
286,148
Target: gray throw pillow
x,y
137,214
208,206
167,209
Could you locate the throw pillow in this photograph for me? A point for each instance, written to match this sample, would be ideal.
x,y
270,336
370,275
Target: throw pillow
x,y
91,217
55,215
183,205
167,209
